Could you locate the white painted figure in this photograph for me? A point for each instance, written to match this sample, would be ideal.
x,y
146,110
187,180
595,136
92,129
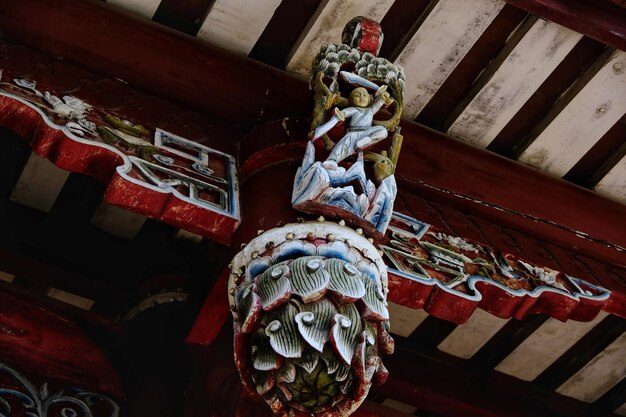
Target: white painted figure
x,y
360,132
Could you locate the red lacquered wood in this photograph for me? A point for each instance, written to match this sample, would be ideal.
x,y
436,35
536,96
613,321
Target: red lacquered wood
x,y
38,341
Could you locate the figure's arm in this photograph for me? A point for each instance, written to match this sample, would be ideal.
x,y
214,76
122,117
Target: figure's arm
x,y
322,129
382,97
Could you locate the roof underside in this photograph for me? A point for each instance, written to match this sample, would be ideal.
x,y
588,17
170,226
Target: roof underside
x,y
538,82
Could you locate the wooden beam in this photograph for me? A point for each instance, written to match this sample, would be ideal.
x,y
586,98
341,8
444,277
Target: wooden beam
x,y
602,22
451,389
38,341
121,45
242,91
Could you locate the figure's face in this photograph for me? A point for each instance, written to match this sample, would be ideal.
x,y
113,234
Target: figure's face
x,y
360,97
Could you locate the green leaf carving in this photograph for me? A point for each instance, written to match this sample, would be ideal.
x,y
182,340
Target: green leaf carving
x,y
273,287
283,333
314,322
309,278
345,280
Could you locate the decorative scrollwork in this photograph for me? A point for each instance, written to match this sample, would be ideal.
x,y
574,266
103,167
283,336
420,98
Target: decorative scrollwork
x,y
18,396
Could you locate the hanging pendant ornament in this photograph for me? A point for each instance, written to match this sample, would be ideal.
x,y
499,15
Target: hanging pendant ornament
x,y
309,299
311,319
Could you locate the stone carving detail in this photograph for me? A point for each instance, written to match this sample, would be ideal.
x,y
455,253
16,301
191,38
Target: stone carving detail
x,y
310,316
347,171
18,396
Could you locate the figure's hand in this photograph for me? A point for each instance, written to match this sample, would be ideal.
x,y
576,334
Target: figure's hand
x,y
340,115
384,95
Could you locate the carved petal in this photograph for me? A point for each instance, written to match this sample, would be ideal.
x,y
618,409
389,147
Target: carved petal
x,y
287,372
264,381
263,356
274,287
309,278
249,310
345,280
346,328
374,301
314,322
332,364
308,361
283,333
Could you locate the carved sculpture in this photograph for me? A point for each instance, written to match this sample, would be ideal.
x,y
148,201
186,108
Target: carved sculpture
x,y
311,320
309,300
183,182
19,396
357,105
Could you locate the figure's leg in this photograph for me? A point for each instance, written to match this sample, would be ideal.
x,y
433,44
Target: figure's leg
x,y
374,135
341,150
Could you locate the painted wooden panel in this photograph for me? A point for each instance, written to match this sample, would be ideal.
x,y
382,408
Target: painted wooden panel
x,y
526,67
237,24
594,110
40,184
613,184
145,8
468,338
326,27
599,375
405,320
443,39
545,346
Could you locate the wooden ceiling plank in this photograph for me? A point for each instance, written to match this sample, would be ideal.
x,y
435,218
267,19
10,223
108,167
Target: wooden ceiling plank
x,y
452,389
613,400
505,341
441,42
585,120
526,67
326,27
145,8
39,184
599,375
236,25
601,158
282,31
512,136
430,333
117,221
544,346
460,82
583,351
400,22
468,338
404,319
613,184
184,16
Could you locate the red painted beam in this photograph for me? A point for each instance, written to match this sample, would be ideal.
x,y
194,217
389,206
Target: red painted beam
x,y
109,40
243,91
596,19
37,341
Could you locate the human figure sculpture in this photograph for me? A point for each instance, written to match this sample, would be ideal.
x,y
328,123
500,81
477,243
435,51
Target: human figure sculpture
x,y
360,132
